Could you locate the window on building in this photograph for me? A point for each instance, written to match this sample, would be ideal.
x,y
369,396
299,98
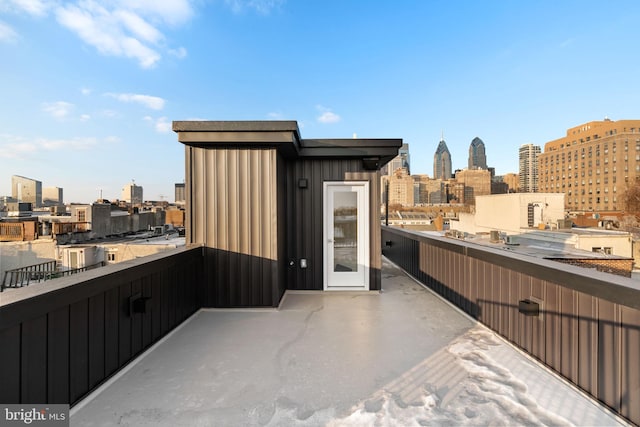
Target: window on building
x,y
602,249
82,215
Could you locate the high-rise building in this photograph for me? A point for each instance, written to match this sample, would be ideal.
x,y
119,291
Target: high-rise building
x,y
477,155
528,169
400,161
475,182
26,190
401,191
132,194
442,162
593,164
52,196
180,196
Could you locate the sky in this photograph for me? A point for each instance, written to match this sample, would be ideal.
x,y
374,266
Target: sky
x,y
89,88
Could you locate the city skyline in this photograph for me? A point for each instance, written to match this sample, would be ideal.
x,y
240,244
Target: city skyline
x,y
91,88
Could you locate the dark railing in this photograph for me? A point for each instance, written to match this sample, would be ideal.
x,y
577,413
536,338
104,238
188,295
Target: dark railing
x,y
37,273
22,276
582,323
60,341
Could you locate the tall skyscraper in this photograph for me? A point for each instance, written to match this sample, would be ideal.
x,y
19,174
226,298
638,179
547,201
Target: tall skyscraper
x,y
442,161
477,156
400,161
27,190
528,170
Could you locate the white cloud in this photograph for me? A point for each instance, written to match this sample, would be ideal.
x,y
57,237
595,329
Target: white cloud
x,y
7,34
109,113
179,53
161,124
85,117
261,6
58,110
153,102
275,115
173,12
64,144
327,116
85,91
138,26
114,32
16,147
32,7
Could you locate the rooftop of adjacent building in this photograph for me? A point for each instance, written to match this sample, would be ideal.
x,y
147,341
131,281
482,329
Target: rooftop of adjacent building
x,y
541,243
400,357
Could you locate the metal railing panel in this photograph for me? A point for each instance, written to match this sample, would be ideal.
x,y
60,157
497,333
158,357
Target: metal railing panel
x,y
588,328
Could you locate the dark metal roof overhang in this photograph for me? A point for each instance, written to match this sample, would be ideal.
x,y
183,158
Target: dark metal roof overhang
x,y
285,136
382,149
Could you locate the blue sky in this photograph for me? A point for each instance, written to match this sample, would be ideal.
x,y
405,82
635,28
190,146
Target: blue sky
x,y
89,88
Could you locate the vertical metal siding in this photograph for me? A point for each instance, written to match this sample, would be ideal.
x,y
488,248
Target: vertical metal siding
x,y
629,363
305,231
234,215
58,347
591,341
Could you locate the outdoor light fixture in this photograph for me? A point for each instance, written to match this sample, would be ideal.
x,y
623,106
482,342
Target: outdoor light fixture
x,y
371,163
529,308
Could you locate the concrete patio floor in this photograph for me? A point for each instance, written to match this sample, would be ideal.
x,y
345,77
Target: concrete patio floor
x,y
401,357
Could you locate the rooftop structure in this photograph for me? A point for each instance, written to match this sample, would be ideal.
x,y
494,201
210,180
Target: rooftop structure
x,y
276,211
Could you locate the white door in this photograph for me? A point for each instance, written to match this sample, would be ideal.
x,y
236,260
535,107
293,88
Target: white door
x,y
346,235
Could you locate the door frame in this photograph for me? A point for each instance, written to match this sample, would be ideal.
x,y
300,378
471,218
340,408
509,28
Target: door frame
x,y
364,211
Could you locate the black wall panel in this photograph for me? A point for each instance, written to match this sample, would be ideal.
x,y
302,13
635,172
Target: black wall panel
x,y
58,346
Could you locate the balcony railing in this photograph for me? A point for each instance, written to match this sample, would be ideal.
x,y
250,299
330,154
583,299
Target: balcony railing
x,y
61,339
37,273
586,325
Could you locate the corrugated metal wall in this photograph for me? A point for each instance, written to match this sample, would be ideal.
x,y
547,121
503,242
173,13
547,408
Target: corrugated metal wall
x,y
232,200
59,346
589,330
305,217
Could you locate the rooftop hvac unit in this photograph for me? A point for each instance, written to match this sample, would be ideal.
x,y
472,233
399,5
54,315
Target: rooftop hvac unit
x,y
510,240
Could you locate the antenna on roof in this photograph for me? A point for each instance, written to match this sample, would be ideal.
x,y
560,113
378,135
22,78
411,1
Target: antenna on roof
x,y
442,135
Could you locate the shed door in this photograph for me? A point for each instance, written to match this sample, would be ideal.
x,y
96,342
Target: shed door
x,y
346,235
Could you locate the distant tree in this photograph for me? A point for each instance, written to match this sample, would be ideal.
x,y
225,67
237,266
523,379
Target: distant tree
x,y
631,198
